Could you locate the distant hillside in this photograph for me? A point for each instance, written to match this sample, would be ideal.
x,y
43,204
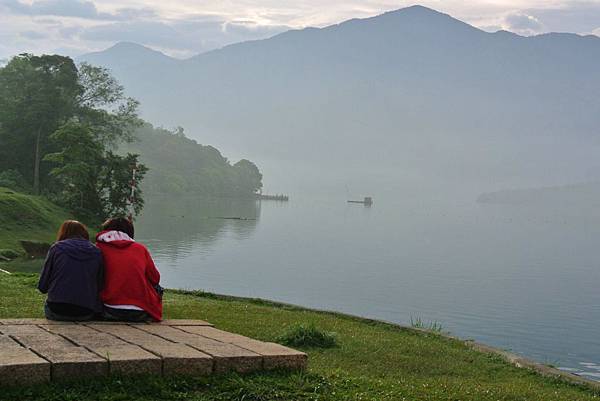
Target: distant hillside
x,y
587,193
413,91
180,165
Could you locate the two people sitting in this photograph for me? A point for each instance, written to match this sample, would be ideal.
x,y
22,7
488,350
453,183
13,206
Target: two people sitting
x,y
116,279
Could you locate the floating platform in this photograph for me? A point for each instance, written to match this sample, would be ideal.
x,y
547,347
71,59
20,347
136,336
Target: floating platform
x,y
40,350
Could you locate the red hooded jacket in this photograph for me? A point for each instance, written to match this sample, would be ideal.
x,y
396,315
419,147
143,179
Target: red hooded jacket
x,y
129,273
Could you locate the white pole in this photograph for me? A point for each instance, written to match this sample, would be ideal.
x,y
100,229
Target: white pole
x,y
132,195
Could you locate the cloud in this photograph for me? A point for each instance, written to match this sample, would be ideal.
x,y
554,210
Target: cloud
x,y
134,13
194,35
523,24
64,8
33,35
72,8
143,32
187,27
251,30
491,28
570,16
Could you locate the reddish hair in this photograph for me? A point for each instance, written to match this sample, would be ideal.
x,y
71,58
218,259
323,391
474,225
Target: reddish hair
x,y
72,229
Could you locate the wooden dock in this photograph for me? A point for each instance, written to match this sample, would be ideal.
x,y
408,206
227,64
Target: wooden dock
x,y
39,350
279,198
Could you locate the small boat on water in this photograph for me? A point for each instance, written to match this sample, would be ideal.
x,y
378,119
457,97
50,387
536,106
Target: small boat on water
x,y
367,201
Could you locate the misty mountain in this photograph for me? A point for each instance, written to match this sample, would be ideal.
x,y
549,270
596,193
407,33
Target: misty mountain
x,y
412,91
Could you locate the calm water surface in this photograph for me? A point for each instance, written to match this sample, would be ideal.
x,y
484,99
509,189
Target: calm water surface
x,y
522,278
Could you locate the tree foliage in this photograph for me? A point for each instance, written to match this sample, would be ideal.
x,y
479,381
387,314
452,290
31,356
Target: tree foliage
x,y
116,183
58,125
248,176
180,165
77,167
37,95
104,106
71,133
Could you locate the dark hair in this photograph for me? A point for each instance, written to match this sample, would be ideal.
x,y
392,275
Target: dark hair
x,y
119,224
72,229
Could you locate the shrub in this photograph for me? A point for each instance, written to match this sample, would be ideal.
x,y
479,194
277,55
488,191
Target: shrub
x,y
12,179
307,335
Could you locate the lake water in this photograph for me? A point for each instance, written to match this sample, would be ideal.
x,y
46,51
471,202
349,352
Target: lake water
x,y
521,278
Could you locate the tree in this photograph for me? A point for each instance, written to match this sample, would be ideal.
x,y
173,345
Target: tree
x,y
181,165
37,95
116,184
12,179
94,181
77,168
58,124
249,177
104,107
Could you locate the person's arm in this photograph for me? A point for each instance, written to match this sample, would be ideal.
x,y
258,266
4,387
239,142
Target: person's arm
x,y
101,274
44,283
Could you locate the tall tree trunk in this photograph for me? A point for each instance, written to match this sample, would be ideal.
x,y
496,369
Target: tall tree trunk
x,y
36,165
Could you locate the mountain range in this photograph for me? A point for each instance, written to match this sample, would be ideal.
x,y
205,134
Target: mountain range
x,y
414,92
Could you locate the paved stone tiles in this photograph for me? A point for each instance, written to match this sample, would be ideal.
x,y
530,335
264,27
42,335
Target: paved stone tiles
x,y
39,350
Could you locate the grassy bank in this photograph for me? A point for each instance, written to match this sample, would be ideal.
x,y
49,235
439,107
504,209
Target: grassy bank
x,y
373,361
26,217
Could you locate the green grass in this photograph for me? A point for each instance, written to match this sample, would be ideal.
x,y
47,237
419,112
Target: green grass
x,y
373,360
9,254
26,217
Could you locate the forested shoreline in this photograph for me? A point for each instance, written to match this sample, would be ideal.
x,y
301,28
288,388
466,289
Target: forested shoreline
x,y
180,165
68,132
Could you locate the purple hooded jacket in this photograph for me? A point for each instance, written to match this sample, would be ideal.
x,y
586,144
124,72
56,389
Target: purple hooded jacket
x,y
73,273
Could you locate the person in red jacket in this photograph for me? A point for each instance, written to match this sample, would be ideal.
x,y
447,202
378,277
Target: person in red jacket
x,y
131,281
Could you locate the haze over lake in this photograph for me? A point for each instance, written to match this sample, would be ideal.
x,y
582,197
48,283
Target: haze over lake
x,y
520,277
425,113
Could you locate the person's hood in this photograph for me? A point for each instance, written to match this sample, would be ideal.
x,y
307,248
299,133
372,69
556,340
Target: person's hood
x,y
78,248
114,238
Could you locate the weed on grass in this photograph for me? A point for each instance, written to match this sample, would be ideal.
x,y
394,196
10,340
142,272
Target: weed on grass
x,y
433,326
307,335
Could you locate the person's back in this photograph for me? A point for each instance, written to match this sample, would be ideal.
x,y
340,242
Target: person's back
x,y
131,286
72,276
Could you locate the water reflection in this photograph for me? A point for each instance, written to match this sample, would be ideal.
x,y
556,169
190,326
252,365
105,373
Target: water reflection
x,y
518,277
172,227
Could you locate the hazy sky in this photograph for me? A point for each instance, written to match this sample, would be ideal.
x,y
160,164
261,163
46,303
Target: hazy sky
x,y
182,28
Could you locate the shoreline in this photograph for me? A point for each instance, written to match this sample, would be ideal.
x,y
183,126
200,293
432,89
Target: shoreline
x,y
512,358
372,359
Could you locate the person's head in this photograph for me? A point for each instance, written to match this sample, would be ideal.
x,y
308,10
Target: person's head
x,y
119,224
72,229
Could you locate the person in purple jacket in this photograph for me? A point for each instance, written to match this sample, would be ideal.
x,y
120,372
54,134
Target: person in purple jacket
x,y
72,276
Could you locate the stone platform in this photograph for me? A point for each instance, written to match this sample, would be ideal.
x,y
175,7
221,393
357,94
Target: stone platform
x,y
40,350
